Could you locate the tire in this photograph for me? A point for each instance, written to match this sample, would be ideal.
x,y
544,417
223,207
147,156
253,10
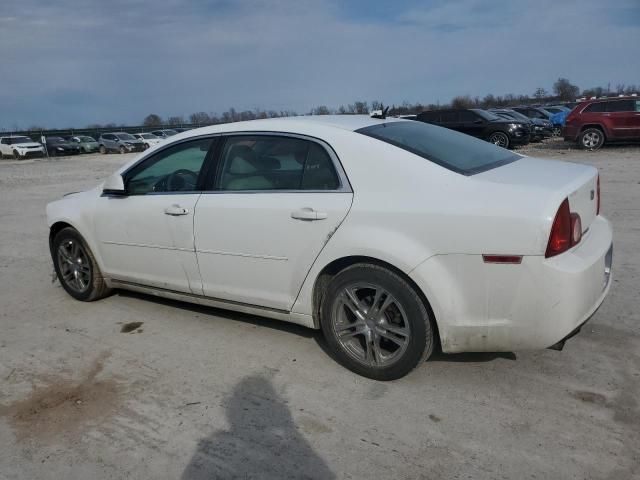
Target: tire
x,y
16,155
591,139
123,150
103,150
76,267
500,139
556,132
361,343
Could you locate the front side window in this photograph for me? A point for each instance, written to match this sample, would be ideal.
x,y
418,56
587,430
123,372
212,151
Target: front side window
x,y
450,149
264,162
175,169
595,107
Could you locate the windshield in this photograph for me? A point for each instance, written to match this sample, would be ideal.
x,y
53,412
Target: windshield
x,y
86,139
55,140
125,136
170,132
450,149
15,140
148,135
515,115
486,115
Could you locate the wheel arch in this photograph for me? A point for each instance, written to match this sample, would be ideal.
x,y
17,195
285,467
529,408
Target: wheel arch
x,y
337,265
599,126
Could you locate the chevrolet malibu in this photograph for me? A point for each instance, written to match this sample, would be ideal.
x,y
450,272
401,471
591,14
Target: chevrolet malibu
x,y
393,237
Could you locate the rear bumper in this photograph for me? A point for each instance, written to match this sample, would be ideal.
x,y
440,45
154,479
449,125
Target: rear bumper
x,y
533,305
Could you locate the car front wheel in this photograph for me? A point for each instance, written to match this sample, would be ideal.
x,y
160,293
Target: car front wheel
x,y
375,323
76,267
591,139
16,155
500,139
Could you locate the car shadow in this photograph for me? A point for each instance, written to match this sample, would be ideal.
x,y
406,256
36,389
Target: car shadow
x,y
226,314
262,440
305,332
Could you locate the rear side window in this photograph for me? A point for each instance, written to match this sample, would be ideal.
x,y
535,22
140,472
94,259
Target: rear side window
x,y
620,106
450,149
595,108
265,162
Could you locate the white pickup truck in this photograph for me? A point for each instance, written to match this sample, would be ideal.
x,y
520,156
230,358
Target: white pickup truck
x,y
20,147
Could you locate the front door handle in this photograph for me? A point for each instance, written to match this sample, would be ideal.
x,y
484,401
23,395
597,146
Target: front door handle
x,y
308,214
176,210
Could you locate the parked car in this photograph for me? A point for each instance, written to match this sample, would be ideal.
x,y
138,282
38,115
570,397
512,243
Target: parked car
x,y
59,146
20,147
119,142
148,139
482,124
87,144
596,122
394,237
541,113
166,133
540,129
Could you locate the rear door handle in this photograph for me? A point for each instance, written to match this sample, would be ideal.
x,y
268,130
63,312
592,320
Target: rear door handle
x,y
308,214
176,210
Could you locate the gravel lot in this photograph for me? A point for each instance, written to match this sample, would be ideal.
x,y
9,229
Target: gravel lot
x,y
201,393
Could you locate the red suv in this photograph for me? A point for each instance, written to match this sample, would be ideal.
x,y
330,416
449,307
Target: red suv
x,y
594,122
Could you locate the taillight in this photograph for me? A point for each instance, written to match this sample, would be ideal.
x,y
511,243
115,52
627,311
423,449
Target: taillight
x,y
598,197
565,232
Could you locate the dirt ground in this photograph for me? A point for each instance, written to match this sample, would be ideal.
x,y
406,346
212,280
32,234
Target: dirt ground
x,y
137,387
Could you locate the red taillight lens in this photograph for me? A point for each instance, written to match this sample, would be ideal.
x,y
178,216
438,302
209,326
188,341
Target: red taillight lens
x,y
598,197
560,238
565,232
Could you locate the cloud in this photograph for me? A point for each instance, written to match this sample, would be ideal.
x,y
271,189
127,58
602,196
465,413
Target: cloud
x,y
73,62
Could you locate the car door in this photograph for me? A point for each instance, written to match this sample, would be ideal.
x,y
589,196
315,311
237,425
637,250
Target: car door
x,y
146,236
472,123
273,204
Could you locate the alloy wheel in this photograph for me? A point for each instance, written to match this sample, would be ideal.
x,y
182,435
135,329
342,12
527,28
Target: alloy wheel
x,y
499,139
74,265
370,325
591,139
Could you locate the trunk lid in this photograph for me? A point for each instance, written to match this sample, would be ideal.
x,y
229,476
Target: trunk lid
x,y
555,179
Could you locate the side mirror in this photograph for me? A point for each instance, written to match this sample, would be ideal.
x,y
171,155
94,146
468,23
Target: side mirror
x,y
117,140
114,185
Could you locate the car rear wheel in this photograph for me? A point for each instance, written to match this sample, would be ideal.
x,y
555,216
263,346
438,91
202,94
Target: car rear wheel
x,y
591,139
500,139
76,267
375,323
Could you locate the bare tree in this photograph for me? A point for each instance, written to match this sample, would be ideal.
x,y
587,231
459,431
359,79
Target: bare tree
x,y
152,120
540,93
199,118
175,120
565,90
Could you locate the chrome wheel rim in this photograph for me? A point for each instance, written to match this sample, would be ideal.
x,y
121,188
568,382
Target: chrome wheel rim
x,y
370,325
499,139
591,139
74,265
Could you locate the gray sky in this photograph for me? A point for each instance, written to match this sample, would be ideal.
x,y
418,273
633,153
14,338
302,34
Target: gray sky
x,y
70,62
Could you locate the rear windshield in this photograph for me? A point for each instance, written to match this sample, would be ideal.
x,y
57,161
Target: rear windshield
x,y
452,150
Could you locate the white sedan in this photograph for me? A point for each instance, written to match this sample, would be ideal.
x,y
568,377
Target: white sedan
x,y
392,236
149,139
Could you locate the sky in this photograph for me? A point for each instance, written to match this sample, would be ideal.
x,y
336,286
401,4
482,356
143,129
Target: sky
x,y
70,63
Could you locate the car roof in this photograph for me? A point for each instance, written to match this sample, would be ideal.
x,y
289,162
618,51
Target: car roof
x,y
301,124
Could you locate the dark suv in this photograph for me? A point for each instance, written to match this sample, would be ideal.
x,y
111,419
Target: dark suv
x,y
480,123
594,122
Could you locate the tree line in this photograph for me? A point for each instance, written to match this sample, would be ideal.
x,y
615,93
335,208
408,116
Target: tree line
x,y
562,91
